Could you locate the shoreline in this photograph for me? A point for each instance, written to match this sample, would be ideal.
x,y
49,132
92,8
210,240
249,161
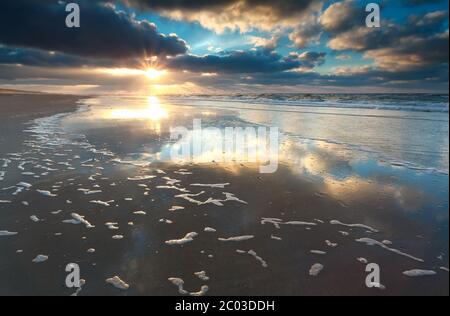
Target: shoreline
x,y
18,108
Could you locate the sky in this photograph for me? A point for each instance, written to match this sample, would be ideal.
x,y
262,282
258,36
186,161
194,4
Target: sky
x,y
224,46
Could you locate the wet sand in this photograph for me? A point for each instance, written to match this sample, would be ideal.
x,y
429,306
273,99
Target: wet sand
x,y
287,221
17,108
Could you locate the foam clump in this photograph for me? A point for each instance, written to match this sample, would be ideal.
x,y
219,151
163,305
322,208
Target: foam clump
x,y
118,283
186,239
316,269
237,239
419,273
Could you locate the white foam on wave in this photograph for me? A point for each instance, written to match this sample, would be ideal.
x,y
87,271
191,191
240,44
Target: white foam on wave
x,y
78,219
232,197
318,252
112,226
170,181
7,233
237,238
419,273
331,244
6,162
24,185
176,208
183,172
102,203
186,239
18,190
373,242
336,222
118,283
203,290
141,178
132,163
179,283
278,222
362,260
316,269
40,259
218,185
172,187
190,198
90,192
46,193
217,202
256,256
202,275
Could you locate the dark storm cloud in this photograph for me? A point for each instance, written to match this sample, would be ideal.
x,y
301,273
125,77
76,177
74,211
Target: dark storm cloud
x,y
43,58
104,33
280,7
35,57
253,61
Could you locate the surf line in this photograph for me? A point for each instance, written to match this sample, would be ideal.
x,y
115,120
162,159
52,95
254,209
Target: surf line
x,y
184,306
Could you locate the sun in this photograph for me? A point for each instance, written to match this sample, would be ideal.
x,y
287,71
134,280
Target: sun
x,y
153,73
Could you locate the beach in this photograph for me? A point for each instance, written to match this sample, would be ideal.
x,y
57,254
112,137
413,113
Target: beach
x,y
90,181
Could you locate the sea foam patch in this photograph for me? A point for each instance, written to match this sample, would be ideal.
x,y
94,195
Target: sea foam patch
x,y
78,219
256,256
46,193
7,233
373,242
40,259
202,275
118,283
336,222
316,269
102,203
237,238
419,273
186,239
218,185
278,222
141,178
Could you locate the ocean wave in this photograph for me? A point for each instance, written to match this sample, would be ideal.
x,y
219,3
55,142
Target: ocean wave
x,y
435,103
